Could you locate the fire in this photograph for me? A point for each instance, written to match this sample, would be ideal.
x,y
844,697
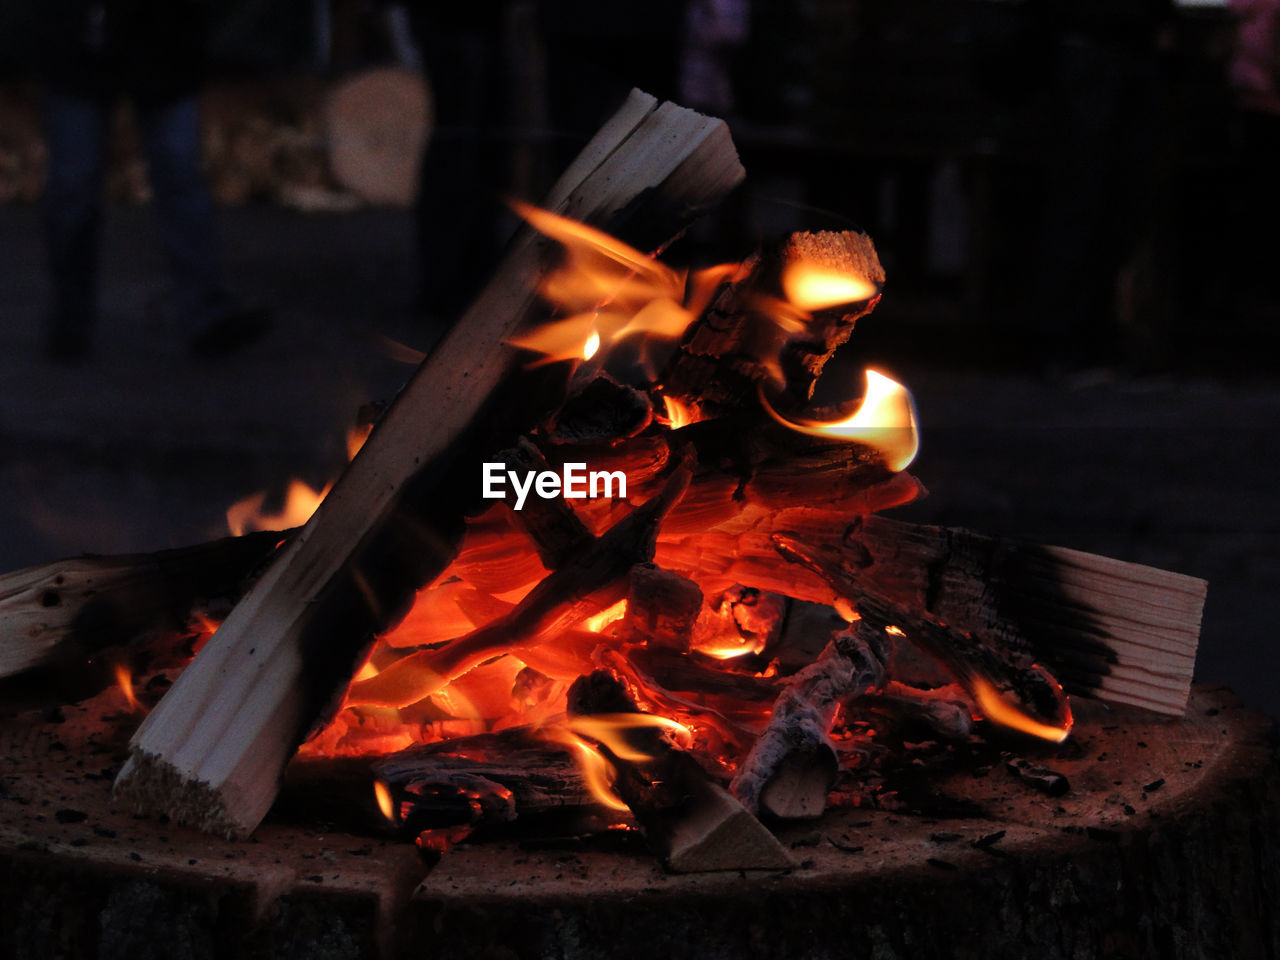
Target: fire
x,y
382,793
300,503
810,287
680,414
610,731
602,619
885,420
607,291
730,648
125,680
995,708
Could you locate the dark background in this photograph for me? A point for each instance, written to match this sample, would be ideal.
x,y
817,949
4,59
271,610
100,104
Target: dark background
x,y
1146,426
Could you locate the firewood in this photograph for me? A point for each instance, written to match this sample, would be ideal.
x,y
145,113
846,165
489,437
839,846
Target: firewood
x,y
64,614
736,347
662,608
792,765
377,124
550,523
521,775
690,821
1118,631
592,577
212,751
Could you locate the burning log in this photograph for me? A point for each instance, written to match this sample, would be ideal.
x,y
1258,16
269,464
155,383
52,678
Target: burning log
x,y
213,750
736,347
691,822
791,768
483,780
63,615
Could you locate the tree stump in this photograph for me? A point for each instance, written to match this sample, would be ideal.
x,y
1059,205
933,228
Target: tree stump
x,y
1167,844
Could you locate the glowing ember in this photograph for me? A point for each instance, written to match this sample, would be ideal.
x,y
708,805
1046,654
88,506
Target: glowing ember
x,y
125,680
998,710
728,648
300,503
886,420
592,346
602,619
810,287
385,803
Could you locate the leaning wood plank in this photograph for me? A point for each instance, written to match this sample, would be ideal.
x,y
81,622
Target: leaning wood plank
x,y
212,752
63,614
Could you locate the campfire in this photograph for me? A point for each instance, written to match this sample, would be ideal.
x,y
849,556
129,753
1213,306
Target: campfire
x,y
603,558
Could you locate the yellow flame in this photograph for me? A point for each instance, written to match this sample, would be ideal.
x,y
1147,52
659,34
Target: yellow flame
x,y
679,413
998,710
605,617
846,611
727,648
886,421
607,291
125,679
610,730
811,287
300,503
383,795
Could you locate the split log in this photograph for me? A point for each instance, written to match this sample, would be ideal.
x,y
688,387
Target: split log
x,y
1109,629
377,125
62,615
692,823
793,764
212,752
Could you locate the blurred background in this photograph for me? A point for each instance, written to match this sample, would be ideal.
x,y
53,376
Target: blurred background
x,y
1075,203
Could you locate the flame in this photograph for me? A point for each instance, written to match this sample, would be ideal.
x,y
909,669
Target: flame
x,y
299,504
602,619
582,734
356,437
727,648
998,710
125,679
886,420
607,290
680,414
811,287
383,795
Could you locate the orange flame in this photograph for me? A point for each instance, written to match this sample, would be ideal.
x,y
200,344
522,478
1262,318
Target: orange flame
x,y
811,287
727,648
385,803
608,290
300,503
356,437
125,679
610,730
998,710
886,420
679,413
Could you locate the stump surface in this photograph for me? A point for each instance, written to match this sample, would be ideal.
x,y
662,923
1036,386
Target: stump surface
x,y
1166,845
